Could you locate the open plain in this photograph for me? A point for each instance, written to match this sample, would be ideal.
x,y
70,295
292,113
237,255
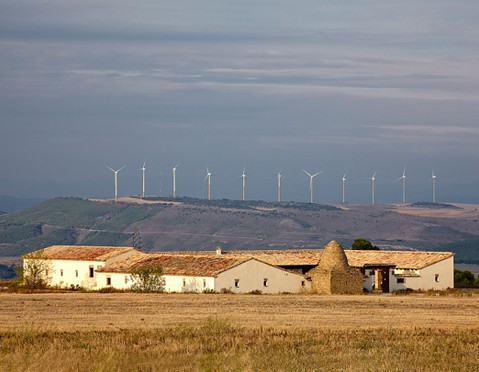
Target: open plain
x,y
113,311
214,332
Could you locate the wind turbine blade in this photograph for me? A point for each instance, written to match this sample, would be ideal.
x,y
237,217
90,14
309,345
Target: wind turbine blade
x,y
144,164
404,173
316,174
110,168
374,175
400,178
307,173
121,168
206,177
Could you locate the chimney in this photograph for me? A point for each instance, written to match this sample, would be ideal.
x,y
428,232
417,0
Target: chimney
x,y
218,250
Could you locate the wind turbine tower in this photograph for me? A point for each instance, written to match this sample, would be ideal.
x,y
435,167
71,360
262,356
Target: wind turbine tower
x,y
243,189
143,169
403,177
434,178
373,178
279,186
311,177
174,180
344,188
208,177
116,179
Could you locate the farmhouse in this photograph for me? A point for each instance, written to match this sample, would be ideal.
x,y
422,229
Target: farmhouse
x,y
326,271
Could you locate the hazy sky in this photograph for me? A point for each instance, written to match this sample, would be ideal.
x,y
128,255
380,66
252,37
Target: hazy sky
x,y
359,87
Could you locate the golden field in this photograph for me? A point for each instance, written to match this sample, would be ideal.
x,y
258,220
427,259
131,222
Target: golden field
x,y
129,331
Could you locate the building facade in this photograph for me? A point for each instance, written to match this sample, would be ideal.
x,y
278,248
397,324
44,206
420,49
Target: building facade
x,y
325,271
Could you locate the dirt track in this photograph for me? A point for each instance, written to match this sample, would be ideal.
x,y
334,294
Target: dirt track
x,y
81,311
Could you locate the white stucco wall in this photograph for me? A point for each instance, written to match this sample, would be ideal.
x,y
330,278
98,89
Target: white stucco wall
x,y
188,283
252,274
65,273
173,283
444,270
117,280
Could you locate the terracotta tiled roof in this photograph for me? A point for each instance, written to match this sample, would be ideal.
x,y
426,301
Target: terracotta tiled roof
x,y
84,252
209,263
402,259
296,257
312,257
175,264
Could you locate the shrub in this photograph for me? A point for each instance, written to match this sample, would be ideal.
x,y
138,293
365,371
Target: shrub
x,y
148,278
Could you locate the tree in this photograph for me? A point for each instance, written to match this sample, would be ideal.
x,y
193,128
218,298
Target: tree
x,y
37,270
147,278
363,245
463,279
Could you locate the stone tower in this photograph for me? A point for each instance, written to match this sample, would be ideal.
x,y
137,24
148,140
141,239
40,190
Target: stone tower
x,y
333,275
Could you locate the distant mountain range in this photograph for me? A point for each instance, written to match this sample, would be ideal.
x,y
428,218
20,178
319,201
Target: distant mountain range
x,y
161,224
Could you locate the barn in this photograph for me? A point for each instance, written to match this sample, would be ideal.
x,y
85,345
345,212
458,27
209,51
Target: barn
x,y
329,270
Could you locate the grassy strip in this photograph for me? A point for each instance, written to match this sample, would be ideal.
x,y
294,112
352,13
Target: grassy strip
x,y
218,346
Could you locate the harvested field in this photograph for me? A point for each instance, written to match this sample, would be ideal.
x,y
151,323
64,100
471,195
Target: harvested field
x,y
107,311
127,331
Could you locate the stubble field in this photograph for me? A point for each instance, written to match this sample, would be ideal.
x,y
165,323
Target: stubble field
x,y
127,331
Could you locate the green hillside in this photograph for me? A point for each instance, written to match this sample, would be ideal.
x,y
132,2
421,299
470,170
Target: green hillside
x,y
69,221
197,224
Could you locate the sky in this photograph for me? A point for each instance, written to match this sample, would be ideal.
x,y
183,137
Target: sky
x,y
351,87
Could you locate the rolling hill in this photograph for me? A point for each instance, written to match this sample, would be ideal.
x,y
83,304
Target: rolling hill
x,y
196,224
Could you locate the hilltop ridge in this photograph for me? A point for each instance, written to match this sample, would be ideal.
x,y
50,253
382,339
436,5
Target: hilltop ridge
x,y
166,224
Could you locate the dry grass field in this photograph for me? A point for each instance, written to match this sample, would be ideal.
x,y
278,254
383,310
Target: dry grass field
x,y
128,331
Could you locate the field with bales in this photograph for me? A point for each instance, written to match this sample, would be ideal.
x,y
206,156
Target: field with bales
x,y
213,332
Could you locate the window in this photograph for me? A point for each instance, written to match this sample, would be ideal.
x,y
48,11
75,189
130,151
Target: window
x,y
76,273
371,272
92,271
184,282
126,279
265,282
61,272
204,283
108,280
236,283
303,283
400,280
436,277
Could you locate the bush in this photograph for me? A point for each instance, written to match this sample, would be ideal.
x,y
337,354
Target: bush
x,y
209,291
464,279
148,278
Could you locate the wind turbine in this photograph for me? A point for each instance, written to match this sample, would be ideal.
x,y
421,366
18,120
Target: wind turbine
x,y
208,177
279,186
311,177
143,169
373,178
159,184
403,177
344,188
434,178
116,179
174,180
243,179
